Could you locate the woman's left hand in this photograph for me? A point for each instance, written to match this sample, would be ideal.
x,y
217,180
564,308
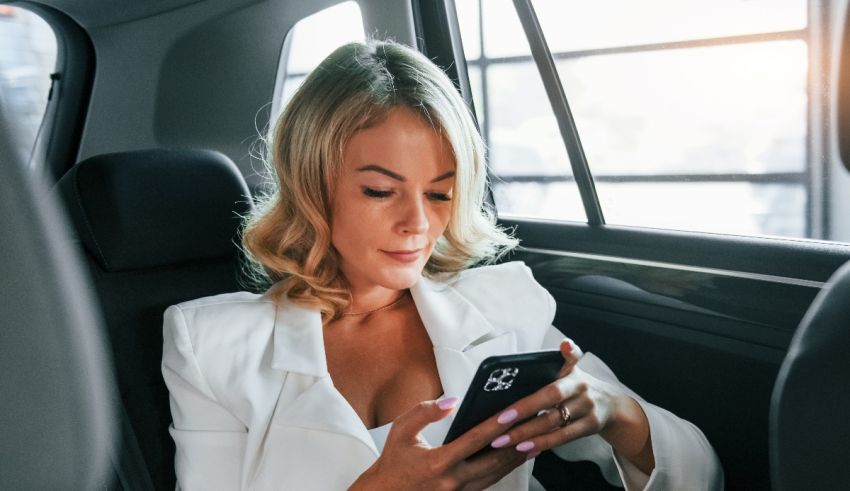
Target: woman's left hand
x,y
590,406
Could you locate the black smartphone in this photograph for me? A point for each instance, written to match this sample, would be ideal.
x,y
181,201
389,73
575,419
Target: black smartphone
x,y
499,382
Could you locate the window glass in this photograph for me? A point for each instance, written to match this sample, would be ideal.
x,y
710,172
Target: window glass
x,y
27,58
701,136
524,136
724,109
313,38
740,208
572,26
693,115
468,13
523,141
551,200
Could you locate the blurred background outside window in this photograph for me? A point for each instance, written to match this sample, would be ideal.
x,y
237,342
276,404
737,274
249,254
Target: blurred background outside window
x,y
310,41
27,58
693,115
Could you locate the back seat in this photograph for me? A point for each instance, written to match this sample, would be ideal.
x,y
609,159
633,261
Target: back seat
x,y
158,227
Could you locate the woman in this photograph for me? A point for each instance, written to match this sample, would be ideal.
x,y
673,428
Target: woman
x,y
344,374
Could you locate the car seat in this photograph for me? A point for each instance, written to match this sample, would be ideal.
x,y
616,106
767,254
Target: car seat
x,y
809,428
158,227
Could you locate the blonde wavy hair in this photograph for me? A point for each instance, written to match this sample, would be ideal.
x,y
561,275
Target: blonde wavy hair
x,y
287,238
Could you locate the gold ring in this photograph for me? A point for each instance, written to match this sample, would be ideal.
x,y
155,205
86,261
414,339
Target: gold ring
x,y
565,414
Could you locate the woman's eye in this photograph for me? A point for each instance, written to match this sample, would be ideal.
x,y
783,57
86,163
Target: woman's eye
x,y
439,197
375,193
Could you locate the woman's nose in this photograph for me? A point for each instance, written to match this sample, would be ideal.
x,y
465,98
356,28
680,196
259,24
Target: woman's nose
x,y
415,219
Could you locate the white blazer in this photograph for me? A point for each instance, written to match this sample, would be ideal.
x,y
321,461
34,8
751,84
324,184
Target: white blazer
x,y
254,407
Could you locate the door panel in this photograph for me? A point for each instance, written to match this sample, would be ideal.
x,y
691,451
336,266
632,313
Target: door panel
x,y
695,323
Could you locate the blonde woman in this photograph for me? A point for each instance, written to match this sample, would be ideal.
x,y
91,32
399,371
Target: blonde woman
x,y
345,373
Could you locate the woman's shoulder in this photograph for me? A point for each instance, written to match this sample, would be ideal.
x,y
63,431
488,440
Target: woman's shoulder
x,y
220,316
512,280
224,300
509,270
220,341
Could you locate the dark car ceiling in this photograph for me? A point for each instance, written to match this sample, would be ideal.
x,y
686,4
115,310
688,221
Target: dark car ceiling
x,y
98,13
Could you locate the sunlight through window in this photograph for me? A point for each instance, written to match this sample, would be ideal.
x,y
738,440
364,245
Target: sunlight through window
x,y
692,115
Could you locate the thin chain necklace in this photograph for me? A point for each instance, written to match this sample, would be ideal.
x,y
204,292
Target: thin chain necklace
x,y
399,299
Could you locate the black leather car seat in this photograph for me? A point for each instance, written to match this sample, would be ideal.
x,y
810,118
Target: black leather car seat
x,y
809,426
158,227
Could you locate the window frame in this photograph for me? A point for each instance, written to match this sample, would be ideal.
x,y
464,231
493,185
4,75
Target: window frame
x,y
58,141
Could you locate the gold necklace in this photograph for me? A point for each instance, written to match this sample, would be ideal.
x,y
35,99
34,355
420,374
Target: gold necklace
x,y
399,299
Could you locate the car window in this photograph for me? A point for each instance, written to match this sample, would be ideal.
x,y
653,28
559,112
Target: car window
x,y
699,116
531,174
311,40
27,58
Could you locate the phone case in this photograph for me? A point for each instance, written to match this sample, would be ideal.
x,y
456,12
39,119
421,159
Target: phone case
x,y
499,382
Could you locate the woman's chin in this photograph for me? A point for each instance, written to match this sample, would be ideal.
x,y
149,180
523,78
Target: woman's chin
x,y
401,278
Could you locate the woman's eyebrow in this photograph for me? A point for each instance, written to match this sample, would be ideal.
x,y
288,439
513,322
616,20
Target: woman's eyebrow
x,y
447,175
399,177
381,170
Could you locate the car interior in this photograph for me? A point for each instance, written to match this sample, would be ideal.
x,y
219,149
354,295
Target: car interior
x,y
148,151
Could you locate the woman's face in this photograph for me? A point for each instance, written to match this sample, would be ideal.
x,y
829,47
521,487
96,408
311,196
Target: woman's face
x,y
392,201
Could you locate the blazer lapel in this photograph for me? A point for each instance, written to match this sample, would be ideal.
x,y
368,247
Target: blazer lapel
x,y
462,336
308,398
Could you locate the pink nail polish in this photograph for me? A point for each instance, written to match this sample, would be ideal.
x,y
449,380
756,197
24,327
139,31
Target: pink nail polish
x,y
447,403
507,416
501,441
525,446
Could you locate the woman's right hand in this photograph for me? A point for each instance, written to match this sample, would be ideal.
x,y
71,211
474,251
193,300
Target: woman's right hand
x,y
408,462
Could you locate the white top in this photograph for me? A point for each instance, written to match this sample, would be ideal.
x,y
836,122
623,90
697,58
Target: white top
x,y
379,435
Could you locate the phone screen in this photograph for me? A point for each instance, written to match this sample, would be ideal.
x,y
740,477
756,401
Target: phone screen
x,y
499,382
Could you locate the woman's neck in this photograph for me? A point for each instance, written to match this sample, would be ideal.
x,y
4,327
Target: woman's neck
x,y
373,301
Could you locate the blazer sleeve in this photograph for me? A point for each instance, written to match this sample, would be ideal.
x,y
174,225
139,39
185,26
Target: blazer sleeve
x,y
683,457
210,440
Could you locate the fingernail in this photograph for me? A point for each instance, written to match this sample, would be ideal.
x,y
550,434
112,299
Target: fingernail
x,y
533,454
525,446
569,345
447,403
501,441
507,416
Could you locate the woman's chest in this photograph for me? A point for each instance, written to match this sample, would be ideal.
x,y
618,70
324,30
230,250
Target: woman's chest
x,y
383,370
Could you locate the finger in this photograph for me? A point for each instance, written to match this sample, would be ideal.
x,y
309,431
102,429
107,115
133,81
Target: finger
x,y
560,390
571,357
484,433
473,440
579,428
412,422
546,422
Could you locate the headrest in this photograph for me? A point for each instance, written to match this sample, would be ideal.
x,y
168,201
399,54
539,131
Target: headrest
x,y
149,208
811,387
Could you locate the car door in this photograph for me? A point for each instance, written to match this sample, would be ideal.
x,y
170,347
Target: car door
x,y
694,207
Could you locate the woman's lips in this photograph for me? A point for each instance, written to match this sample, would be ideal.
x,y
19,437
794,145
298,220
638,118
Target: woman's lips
x,y
404,256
